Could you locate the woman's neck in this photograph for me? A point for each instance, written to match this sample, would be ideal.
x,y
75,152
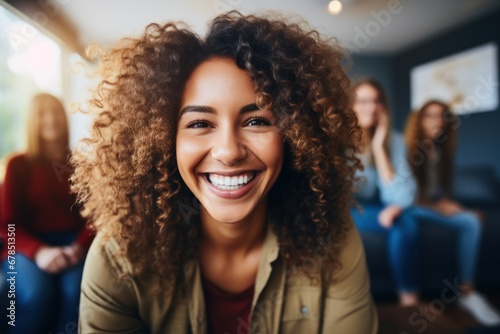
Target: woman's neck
x,y
236,237
52,150
430,147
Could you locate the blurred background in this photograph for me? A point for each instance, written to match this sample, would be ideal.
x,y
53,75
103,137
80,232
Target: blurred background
x,y
398,42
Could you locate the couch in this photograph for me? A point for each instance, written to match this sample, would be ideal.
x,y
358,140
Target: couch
x,y
475,187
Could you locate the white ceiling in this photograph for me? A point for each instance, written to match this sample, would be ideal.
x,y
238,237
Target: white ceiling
x,y
107,21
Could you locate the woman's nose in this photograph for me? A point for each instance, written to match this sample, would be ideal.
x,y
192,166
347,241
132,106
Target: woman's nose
x,y
228,147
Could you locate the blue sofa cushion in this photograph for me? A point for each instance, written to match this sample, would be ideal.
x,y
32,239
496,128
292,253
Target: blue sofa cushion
x,y
476,186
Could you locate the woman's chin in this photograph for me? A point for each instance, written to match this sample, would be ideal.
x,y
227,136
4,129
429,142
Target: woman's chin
x,y
228,219
228,215
367,123
233,212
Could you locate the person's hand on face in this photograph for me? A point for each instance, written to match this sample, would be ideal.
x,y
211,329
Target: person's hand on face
x,y
381,130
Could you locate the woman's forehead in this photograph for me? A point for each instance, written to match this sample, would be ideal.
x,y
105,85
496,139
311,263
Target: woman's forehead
x,y
218,76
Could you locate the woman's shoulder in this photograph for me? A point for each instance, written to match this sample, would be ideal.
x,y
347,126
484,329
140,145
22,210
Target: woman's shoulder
x,y
352,250
105,253
350,256
18,159
17,164
348,298
109,296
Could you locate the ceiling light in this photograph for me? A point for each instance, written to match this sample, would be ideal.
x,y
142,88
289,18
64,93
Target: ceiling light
x,y
335,7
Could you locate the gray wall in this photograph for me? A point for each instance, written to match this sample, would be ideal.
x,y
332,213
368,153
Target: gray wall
x,y
479,134
377,67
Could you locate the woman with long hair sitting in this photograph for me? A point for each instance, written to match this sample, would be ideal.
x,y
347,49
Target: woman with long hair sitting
x,y
431,140
385,189
51,237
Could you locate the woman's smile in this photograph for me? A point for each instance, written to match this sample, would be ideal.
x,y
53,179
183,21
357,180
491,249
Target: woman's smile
x,y
228,182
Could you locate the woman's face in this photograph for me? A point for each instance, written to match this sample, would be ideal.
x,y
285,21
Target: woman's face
x,y
367,106
229,152
52,122
433,121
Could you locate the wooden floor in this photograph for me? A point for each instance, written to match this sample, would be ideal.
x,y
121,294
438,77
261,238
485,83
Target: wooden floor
x,y
431,317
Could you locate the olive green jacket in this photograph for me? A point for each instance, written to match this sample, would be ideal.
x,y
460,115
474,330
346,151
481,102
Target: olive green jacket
x,y
285,301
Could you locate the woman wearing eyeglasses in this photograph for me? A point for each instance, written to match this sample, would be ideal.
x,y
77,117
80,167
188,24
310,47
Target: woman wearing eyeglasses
x,y
431,140
386,188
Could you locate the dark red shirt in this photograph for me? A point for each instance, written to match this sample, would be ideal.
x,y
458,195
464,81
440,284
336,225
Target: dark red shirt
x,y
36,198
227,313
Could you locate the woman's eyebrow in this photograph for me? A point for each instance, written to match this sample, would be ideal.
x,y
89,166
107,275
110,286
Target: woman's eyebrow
x,y
249,108
194,108
206,109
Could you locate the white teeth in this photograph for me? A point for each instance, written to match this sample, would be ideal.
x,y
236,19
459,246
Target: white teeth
x,y
230,182
234,181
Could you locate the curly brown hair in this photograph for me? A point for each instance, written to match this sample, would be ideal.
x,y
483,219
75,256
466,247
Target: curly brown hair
x,y
418,146
127,176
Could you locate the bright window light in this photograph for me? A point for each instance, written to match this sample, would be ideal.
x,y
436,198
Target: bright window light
x,y
30,62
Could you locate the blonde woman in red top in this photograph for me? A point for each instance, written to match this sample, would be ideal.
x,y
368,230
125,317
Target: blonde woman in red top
x,y
51,238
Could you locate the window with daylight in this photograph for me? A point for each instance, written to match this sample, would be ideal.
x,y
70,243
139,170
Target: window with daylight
x,y
30,62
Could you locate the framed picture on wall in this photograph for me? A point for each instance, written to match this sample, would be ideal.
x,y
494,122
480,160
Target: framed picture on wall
x,y
468,80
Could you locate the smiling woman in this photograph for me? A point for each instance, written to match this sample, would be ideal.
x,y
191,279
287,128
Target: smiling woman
x,y
252,125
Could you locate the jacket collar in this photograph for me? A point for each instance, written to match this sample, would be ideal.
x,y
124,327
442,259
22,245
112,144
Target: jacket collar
x,y
194,290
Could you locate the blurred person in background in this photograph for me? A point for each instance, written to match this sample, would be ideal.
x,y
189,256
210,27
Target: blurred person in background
x,y
385,189
51,238
431,139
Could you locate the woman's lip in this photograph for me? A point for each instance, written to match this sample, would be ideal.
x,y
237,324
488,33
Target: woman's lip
x,y
233,173
231,194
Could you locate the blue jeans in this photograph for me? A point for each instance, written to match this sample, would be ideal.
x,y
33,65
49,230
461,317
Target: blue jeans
x,y
45,301
468,227
401,243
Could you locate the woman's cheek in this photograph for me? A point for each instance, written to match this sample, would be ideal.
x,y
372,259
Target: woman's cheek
x,y
269,148
190,150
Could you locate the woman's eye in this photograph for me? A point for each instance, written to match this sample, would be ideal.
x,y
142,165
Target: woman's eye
x,y
198,124
258,121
